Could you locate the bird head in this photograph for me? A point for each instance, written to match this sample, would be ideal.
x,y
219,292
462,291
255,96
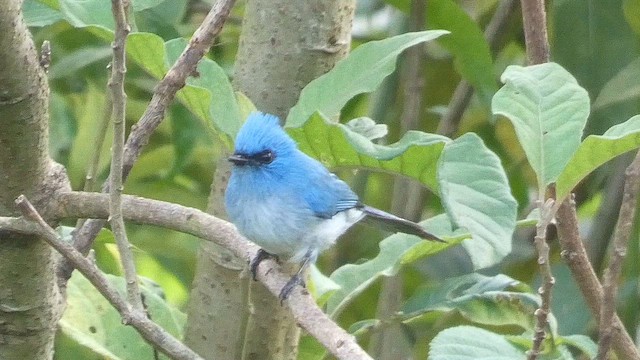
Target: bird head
x,y
261,141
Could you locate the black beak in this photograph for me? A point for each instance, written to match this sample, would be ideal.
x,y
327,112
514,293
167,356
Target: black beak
x,y
239,159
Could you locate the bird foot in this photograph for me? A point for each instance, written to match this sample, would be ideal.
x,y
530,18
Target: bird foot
x,y
289,286
262,255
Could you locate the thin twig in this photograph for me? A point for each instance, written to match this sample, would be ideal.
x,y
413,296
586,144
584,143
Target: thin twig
x,y
163,95
620,244
150,331
119,101
535,32
207,227
547,213
575,255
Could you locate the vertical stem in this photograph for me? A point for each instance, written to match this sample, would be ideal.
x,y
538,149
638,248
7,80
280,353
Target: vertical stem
x,y
535,33
547,213
118,96
534,19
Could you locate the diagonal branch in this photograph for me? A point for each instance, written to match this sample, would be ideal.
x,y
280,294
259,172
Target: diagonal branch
x,y
620,244
336,340
163,95
575,255
202,225
153,333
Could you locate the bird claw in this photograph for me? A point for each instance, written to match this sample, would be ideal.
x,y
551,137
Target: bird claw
x,y
289,286
255,262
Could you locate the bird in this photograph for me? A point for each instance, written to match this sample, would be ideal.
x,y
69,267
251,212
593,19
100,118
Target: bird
x,y
291,205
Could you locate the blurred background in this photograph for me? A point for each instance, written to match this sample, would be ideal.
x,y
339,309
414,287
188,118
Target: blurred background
x,y
597,41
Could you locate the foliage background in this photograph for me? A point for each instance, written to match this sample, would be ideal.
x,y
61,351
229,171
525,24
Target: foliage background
x,y
598,42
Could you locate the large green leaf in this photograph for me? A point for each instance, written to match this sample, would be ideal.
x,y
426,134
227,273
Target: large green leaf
x,y
625,85
209,96
77,13
468,45
548,110
475,191
336,145
353,279
222,107
471,343
595,150
361,72
38,14
90,325
478,298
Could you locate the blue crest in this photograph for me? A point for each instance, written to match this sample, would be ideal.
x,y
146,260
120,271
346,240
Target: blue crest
x,y
262,132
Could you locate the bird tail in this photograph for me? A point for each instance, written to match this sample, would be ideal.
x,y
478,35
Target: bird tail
x,y
393,223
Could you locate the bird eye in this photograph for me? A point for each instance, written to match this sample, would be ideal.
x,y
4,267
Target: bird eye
x,y
265,157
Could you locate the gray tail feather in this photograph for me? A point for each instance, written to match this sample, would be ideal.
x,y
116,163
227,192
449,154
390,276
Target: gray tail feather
x,y
393,223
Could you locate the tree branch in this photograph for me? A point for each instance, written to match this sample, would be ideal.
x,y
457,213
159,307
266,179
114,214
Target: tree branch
x,y
119,101
547,213
620,244
153,333
575,255
534,19
164,93
200,224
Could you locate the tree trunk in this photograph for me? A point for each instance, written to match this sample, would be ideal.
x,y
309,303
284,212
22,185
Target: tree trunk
x,y
284,45
30,303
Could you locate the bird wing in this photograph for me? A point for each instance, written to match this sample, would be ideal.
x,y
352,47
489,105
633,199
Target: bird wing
x,y
326,194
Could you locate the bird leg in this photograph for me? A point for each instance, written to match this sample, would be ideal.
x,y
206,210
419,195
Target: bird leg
x,y
261,255
297,279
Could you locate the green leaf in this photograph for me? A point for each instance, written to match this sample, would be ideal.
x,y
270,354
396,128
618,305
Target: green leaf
x,y
361,72
468,45
478,298
367,128
209,96
595,150
471,343
87,12
38,14
353,279
221,107
76,60
475,191
77,13
581,342
148,51
91,324
336,145
548,110
320,286
631,10
625,85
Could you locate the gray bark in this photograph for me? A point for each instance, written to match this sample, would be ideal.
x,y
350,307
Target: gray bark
x,y
284,45
30,303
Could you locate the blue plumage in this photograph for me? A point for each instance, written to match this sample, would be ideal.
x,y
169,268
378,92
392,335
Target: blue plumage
x,y
287,202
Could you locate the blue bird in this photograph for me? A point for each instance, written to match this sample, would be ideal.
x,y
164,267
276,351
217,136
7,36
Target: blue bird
x,y
288,203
